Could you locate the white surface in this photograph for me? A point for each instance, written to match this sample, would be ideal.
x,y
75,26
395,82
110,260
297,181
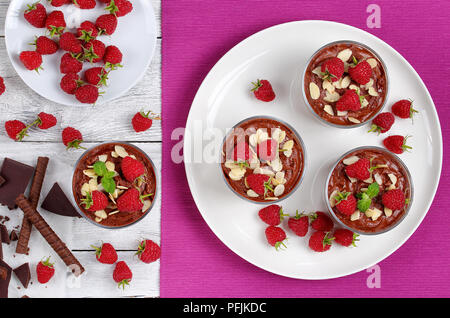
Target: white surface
x,y
135,36
279,54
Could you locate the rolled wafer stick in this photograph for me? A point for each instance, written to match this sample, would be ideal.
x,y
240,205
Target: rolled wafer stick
x,y
49,235
35,193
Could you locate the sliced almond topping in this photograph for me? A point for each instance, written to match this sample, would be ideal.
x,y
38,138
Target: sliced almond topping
x,y
288,153
257,170
369,84
355,216
267,172
252,194
374,213
318,71
114,154
354,87
279,176
230,164
103,158
352,180
364,102
133,156
276,165
279,190
373,92
329,110
271,198
121,151
282,137
113,212
354,120
112,198
85,189
253,140
288,145
350,160
387,212
378,179
98,220
345,82
372,62
331,97
110,166
236,174
393,178
254,163
342,113
314,90
369,180
101,214
90,173
344,55
391,187
337,84
147,205
331,199
93,184
328,86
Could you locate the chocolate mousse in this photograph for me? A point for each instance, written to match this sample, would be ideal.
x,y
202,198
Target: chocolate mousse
x,y
114,184
345,84
263,159
379,185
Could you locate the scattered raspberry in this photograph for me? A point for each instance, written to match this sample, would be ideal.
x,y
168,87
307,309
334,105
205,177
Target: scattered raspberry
x,y
96,76
85,4
72,138
70,43
87,94
55,23
106,24
275,236
2,86
32,60
87,31
113,57
16,129
46,46
45,271
36,15
320,221
70,82
359,169
131,201
95,201
105,254
148,251
403,109
382,123
332,69
263,90
258,183
94,51
349,101
46,121
361,72
394,199
132,168
299,224
320,241
345,203
345,237
70,64
119,8
122,274
272,214
396,144
141,121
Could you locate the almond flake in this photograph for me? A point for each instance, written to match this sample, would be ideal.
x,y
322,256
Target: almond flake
x,y
328,86
236,174
90,173
271,198
345,55
373,92
101,214
318,71
110,166
352,180
113,212
345,82
98,220
147,205
369,84
350,160
331,199
288,153
364,102
253,140
372,62
354,87
85,189
93,185
252,194
276,165
103,158
355,216
378,179
133,156
288,145
337,84
279,176
353,120
391,187
254,163
114,154
329,110
279,190
230,164
331,97
387,212
121,151
342,113
314,90
393,178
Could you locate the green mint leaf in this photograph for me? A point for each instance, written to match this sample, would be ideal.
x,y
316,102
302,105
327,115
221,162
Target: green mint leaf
x,y
364,203
373,190
109,174
100,168
109,184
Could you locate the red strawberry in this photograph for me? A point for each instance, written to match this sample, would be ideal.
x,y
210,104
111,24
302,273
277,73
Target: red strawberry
x,y
258,183
70,64
106,24
361,72
299,224
85,4
122,274
105,254
95,201
46,121
32,60
141,121
36,15
382,123
394,199
345,203
332,69
132,168
96,76
69,83
94,51
87,31
321,222
55,23
113,57
345,237
275,236
263,90
349,101
396,144
69,42
131,201
16,130
45,271
359,169
72,138
120,8
403,109
2,86
241,152
148,251
272,214
320,241
267,150
45,46
87,94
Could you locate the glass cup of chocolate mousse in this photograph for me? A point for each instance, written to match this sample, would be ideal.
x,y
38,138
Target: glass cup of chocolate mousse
x,y
114,185
369,190
345,84
263,159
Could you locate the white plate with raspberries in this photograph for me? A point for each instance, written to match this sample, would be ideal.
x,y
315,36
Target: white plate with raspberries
x,y
280,55
79,46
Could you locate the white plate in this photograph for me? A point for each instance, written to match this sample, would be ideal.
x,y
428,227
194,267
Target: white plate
x,y
280,54
137,47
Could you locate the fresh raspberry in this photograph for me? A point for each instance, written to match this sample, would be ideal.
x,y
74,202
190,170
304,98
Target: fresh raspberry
x,y
345,203
46,121
320,241
299,224
45,271
55,23
70,64
275,236
396,144
70,43
320,221
130,201
272,214
87,94
16,129
122,274
113,57
105,254
85,4
36,14
106,24
46,46
72,138
87,31
141,121
403,109
94,51
148,251
332,69
258,183
96,76
359,170
361,72
394,199
2,86
263,90
382,123
95,201
59,3
32,60
69,83
350,100
119,8
345,237
267,150
132,168
241,152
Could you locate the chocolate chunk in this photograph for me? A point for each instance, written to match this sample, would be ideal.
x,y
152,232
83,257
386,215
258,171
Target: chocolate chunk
x,y
23,274
58,203
4,283
17,176
2,180
3,273
13,236
4,234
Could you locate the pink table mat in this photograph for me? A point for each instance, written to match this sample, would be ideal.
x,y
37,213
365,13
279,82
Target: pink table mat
x,y
195,35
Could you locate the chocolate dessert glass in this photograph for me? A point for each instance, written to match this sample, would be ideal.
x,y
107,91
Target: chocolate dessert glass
x,y
85,179
321,95
389,172
283,166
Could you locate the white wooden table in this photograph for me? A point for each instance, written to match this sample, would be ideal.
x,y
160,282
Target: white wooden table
x,y
21,103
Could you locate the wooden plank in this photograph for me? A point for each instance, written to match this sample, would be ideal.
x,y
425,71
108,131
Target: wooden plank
x,y
5,3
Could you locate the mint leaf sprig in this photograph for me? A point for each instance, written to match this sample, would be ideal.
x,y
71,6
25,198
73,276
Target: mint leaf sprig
x,y
365,197
107,180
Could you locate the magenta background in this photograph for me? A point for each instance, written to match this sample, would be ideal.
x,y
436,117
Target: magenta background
x,y
195,35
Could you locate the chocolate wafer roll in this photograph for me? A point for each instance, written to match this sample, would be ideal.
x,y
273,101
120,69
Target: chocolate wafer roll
x,y
49,235
35,193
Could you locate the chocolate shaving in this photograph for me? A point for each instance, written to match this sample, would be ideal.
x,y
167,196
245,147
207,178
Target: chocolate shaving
x,y
4,283
4,234
2,180
35,192
23,274
57,202
49,235
17,176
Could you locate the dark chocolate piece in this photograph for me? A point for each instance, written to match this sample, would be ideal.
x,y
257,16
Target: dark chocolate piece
x,y
58,203
49,235
13,236
3,273
35,193
4,234
2,180
23,274
17,176
4,283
